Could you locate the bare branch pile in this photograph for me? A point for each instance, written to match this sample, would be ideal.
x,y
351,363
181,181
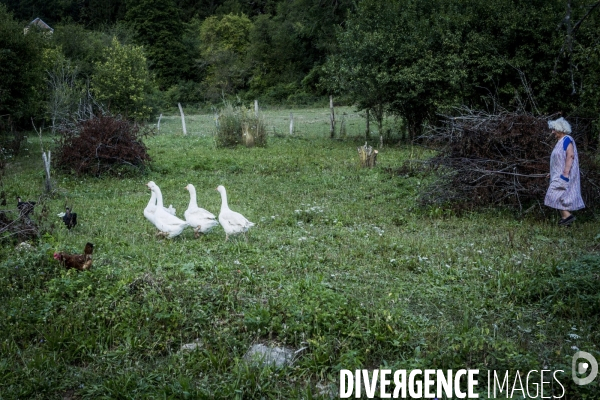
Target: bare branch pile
x,y
101,145
497,159
20,227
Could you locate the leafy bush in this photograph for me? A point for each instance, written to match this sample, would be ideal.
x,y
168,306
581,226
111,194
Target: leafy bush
x,y
123,83
103,144
239,125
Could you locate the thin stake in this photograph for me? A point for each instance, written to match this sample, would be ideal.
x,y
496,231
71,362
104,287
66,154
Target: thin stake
x,y
182,118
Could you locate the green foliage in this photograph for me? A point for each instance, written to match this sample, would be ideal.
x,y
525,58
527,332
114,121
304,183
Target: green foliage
x,y
21,69
237,125
82,47
586,59
96,13
573,292
122,81
223,46
417,59
64,91
158,28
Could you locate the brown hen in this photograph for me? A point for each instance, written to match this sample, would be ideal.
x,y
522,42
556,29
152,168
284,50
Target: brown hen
x,y
81,262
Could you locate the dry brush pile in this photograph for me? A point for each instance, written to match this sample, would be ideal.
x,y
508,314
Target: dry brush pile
x,y
102,145
498,159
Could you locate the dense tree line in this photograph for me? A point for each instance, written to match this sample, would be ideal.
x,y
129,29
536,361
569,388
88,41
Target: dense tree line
x,y
412,59
419,59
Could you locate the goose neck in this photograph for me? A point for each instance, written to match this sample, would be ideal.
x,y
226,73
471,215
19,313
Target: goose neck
x,y
193,201
159,199
224,205
152,201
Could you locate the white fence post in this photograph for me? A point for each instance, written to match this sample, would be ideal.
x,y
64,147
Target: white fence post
x,y
182,118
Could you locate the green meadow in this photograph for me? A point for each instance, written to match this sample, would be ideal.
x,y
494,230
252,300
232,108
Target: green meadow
x,y
342,265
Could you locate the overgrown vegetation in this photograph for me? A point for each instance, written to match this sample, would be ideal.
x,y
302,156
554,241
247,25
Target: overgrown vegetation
x,y
420,59
102,144
238,125
342,262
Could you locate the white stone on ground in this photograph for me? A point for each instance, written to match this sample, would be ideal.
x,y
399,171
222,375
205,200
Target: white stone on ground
x,y
274,356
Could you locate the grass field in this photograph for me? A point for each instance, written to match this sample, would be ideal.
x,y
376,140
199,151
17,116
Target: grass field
x,y
342,263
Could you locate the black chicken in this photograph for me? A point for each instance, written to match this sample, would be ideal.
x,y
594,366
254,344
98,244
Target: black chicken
x,y
25,207
70,218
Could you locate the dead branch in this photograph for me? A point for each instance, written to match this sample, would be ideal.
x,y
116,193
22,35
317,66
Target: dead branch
x,y
496,159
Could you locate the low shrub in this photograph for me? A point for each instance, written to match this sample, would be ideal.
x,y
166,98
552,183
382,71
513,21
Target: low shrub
x,y
239,125
574,291
103,145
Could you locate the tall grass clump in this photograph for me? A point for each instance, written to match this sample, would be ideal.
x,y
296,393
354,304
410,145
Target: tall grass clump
x,y
238,125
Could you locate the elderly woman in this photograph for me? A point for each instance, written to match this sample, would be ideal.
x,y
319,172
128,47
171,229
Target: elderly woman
x,y
564,192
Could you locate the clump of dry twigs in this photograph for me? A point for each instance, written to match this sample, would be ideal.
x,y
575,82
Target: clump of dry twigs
x,y
102,144
497,159
13,225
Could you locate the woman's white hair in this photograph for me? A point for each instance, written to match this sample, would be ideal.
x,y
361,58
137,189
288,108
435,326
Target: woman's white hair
x,y
560,125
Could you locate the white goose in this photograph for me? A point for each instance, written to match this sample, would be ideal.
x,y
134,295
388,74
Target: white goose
x,y
231,221
168,225
201,220
151,207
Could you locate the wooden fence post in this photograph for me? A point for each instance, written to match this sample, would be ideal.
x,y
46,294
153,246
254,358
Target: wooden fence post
x,y
291,124
182,119
256,108
158,125
368,132
331,118
48,184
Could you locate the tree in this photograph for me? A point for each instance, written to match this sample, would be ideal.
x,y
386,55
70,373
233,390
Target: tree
x,y
288,47
159,29
21,69
224,41
83,48
63,93
581,51
418,59
122,81
398,56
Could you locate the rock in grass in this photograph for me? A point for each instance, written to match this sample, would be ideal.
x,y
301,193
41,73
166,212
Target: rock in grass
x,y
270,356
196,344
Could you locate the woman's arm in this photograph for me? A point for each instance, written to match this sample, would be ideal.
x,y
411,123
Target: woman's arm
x,y
570,157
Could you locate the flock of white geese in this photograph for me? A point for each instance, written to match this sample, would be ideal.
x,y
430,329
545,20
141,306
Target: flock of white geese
x,y
199,219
